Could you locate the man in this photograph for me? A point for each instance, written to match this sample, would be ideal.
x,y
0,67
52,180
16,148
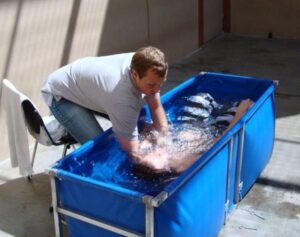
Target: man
x,y
114,85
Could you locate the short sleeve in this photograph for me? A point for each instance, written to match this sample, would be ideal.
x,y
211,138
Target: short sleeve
x,y
124,120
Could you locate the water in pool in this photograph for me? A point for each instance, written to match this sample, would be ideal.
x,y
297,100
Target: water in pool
x,y
195,123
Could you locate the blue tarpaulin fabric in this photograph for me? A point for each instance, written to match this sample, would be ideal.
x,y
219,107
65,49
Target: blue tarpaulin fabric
x,y
96,180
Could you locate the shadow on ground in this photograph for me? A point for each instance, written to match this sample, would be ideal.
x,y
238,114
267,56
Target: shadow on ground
x,y
25,206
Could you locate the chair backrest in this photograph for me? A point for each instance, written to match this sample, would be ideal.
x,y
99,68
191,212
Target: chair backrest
x,y
33,118
35,124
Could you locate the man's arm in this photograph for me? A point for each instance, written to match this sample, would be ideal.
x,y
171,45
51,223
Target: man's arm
x,y
157,111
131,147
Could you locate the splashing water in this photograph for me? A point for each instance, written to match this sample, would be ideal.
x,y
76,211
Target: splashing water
x,y
194,130
190,135
181,138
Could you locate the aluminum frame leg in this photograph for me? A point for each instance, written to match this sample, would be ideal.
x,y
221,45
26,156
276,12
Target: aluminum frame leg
x,y
57,225
229,166
149,220
238,184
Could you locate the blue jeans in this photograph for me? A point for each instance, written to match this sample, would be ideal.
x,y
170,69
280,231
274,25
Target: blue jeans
x,y
80,122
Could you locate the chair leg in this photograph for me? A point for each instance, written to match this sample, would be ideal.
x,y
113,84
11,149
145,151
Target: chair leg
x,y
34,153
66,147
29,177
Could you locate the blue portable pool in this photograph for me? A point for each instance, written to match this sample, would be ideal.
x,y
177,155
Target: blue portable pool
x,y
95,190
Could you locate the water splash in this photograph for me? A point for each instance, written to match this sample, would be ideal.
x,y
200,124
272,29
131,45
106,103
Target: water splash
x,y
190,134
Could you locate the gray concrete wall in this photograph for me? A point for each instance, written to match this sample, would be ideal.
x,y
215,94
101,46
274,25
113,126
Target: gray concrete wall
x,y
213,19
259,17
173,26
37,36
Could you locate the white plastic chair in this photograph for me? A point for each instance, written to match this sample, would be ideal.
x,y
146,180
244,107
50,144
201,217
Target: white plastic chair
x,y
21,113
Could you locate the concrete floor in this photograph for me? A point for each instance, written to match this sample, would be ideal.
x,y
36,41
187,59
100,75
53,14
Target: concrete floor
x,y
272,206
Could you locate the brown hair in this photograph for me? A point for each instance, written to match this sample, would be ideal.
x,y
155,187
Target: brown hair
x,y
149,58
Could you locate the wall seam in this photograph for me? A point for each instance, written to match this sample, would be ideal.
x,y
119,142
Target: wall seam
x,y
148,22
226,15
200,23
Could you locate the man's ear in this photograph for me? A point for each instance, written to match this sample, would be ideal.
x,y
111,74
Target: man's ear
x,y
134,73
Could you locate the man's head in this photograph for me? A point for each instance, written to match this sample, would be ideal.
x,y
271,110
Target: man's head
x,y
149,69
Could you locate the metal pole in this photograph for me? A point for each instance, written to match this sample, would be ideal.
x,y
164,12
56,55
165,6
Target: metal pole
x,y
149,215
57,225
103,225
149,220
34,153
238,183
228,178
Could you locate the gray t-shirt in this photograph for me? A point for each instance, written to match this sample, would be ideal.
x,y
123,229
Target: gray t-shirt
x,y
101,84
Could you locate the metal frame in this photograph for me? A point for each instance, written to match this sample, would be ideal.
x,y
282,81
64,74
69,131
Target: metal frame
x,y
149,218
101,224
57,224
238,184
228,178
150,203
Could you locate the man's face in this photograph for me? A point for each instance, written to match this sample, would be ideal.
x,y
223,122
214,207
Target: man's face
x,y
150,83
